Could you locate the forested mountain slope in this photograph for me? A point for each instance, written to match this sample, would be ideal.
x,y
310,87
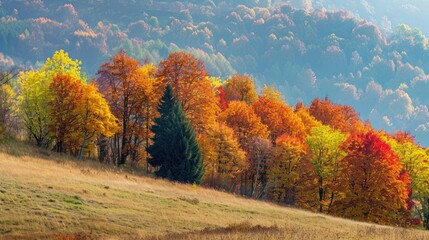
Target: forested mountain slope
x,y
386,13
305,53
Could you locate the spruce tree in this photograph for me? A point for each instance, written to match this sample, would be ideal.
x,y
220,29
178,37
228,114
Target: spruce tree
x,y
175,151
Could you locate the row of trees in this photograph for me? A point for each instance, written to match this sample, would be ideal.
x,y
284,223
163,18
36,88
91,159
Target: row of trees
x,y
182,124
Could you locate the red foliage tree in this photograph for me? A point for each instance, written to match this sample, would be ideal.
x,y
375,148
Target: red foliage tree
x,y
372,182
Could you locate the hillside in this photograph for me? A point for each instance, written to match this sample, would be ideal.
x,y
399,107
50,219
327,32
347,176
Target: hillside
x,y
47,196
383,12
353,57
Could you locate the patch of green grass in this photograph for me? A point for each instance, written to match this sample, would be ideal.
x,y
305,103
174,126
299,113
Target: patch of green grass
x,y
74,200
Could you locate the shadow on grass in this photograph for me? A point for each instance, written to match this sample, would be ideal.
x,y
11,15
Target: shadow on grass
x,y
19,149
244,227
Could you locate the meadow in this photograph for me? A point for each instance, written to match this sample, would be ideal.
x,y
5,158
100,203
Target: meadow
x,y
44,195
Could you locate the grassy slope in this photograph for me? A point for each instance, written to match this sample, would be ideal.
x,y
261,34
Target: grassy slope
x,y
41,196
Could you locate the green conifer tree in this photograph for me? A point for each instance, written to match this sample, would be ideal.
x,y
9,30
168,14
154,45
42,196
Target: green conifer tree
x,y
175,151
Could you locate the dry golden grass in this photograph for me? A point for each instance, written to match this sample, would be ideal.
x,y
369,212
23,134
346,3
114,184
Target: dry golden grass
x,y
54,197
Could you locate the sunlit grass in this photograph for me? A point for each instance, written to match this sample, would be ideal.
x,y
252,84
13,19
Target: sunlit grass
x,y
45,195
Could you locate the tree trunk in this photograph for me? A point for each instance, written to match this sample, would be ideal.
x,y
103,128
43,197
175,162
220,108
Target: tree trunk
x,y
245,183
331,201
102,148
124,150
83,147
118,151
147,139
320,194
426,214
255,183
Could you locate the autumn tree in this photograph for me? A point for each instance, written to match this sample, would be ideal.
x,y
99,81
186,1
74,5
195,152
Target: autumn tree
x,y
224,160
283,173
344,118
240,88
247,127
124,84
223,101
325,155
151,93
372,182
95,118
67,95
175,152
219,91
279,118
7,100
271,93
189,79
245,123
78,114
416,162
259,154
7,112
61,63
307,119
34,94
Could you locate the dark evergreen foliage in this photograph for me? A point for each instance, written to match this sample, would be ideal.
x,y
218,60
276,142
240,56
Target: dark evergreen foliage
x,y
175,151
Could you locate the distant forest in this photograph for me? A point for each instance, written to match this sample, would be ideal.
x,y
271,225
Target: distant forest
x,y
305,53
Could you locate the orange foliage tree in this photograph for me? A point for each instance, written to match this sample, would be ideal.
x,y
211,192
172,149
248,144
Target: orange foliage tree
x,y
189,79
245,122
279,118
123,83
67,97
372,182
248,128
78,114
344,118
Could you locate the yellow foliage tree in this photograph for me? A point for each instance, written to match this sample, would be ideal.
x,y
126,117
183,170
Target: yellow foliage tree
x,y
34,94
224,160
6,108
284,169
95,118
308,120
325,154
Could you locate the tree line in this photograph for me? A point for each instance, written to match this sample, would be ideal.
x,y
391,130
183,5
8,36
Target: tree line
x,y
176,121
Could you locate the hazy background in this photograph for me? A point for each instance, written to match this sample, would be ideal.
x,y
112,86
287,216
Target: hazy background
x,y
354,52
386,13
